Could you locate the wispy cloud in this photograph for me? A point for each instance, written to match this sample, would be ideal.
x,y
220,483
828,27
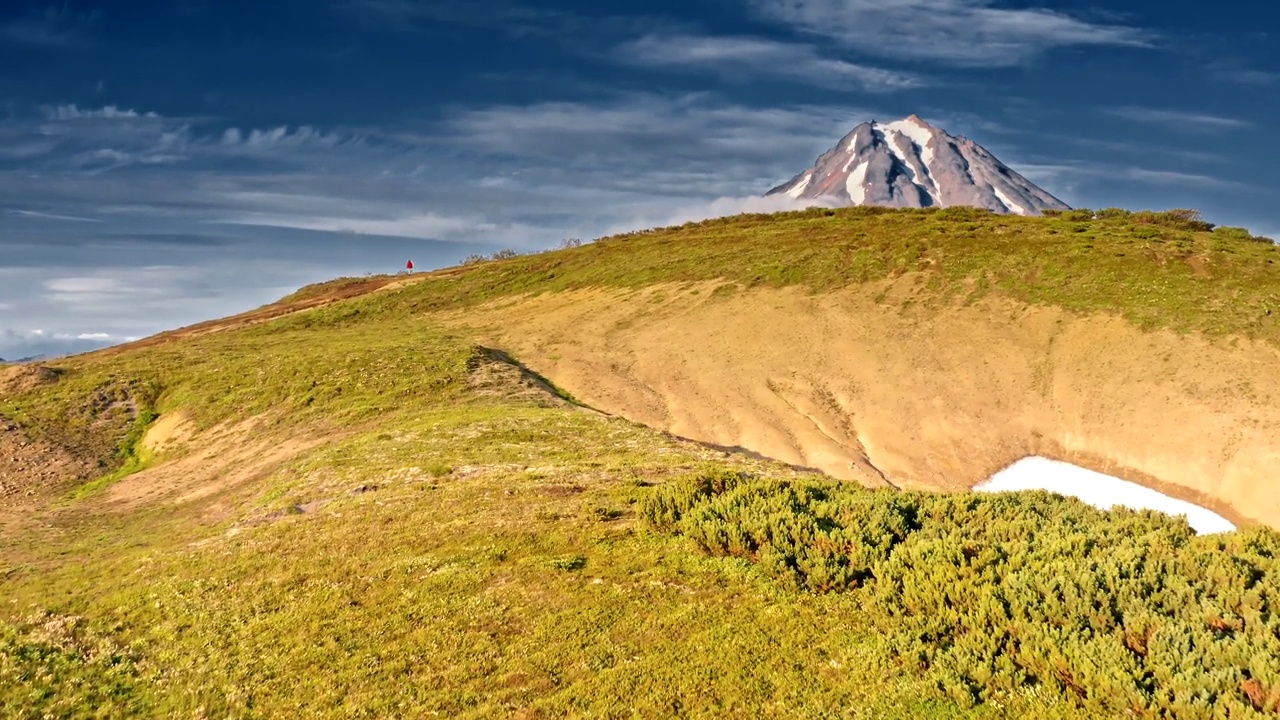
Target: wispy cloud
x,y
87,295
1171,177
625,131
110,138
51,216
109,112
746,58
512,19
968,32
51,26
1062,173
1241,75
283,136
318,213
1180,120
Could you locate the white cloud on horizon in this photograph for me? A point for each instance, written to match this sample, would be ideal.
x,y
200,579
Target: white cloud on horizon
x,y
967,32
16,345
745,58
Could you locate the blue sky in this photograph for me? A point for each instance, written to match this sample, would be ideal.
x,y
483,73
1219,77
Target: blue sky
x,y
163,163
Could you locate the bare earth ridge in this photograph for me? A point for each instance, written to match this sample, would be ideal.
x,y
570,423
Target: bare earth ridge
x,y
865,385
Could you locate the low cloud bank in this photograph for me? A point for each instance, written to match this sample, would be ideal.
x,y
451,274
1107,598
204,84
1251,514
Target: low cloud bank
x,y
16,345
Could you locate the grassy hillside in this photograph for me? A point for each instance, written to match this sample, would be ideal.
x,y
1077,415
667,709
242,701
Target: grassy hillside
x,y
366,513
1156,269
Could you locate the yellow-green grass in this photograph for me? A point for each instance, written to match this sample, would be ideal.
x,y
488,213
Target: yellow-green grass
x,y
1156,269
464,553
514,579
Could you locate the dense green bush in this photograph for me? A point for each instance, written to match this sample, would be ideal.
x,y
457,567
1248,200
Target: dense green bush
x,y
1125,613
1180,219
663,510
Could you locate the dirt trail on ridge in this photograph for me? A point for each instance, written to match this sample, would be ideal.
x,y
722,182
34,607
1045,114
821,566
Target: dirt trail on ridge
x,y
869,384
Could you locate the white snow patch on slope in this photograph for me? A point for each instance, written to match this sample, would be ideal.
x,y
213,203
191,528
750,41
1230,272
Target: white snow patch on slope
x,y
800,186
1100,491
919,135
894,139
1009,202
855,184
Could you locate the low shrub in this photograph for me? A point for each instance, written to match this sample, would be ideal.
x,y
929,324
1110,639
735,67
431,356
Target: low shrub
x,y
568,563
1180,219
1123,613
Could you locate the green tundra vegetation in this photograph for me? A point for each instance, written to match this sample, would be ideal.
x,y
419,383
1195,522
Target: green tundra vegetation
x,y
453,537
1124,613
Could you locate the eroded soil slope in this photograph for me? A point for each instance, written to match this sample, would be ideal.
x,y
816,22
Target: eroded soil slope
x,y
32,471
871,384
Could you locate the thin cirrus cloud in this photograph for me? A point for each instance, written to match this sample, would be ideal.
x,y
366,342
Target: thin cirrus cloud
x,y
593,165
51,216
99,140
1071,175
1245,76
622,132
1180,120
425,226
108,112
966,32
1171,177
744,58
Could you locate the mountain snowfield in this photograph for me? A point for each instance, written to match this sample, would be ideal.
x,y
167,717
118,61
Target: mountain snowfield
x,y
1101,491
912,164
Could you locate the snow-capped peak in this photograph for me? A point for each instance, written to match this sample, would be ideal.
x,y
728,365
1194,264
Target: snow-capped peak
x,y
910,163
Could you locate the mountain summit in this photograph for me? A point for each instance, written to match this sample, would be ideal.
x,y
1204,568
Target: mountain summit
x,y
910,163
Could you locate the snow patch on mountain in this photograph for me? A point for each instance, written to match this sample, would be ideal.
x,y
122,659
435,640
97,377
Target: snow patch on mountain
x,y
799,188
854,185
919,132
1101,491
910,163
1014,207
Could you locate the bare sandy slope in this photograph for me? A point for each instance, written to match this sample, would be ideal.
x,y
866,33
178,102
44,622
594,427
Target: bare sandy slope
x,y
867,384
202,465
